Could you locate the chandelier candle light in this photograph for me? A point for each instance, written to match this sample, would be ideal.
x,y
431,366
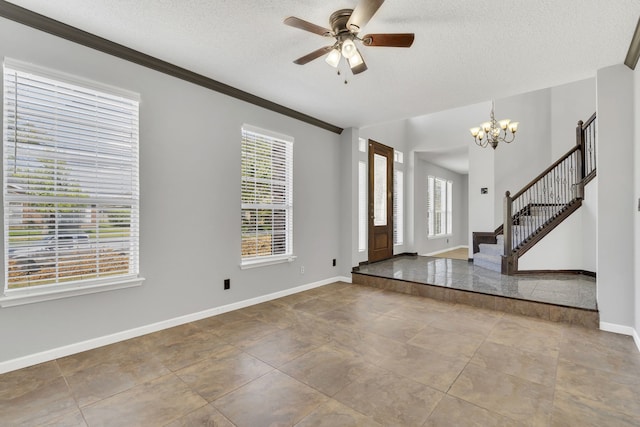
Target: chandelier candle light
x,y
494,131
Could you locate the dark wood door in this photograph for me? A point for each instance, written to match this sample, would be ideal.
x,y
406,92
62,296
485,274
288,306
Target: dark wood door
x,y
380,201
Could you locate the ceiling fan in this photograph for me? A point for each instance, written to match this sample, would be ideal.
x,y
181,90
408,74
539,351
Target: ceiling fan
x,y
345,26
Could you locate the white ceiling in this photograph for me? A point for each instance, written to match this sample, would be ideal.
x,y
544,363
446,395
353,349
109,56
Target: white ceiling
x,y
465,51
455,159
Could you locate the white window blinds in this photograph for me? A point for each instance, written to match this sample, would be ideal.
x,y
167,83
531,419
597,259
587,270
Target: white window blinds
x,y
439,207
267,195
71,210
398,207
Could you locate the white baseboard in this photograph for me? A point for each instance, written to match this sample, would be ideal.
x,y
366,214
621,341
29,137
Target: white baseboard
x,y
623,330
56,353
445,250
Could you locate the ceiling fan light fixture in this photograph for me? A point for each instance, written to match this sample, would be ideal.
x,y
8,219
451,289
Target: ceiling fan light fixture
x,y
355,59
349,49
333,58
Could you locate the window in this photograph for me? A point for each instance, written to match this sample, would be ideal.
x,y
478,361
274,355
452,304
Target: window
x,y
70,182
362,145
267,197
398,210
398,157
439,207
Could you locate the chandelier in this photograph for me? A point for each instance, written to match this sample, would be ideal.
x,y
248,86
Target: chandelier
x,y
494,131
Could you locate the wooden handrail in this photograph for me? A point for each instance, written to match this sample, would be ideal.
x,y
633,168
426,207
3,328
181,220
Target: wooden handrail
x,y
589,121
546,171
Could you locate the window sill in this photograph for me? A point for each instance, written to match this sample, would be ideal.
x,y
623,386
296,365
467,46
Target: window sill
x,y
267,261
23,296
439,236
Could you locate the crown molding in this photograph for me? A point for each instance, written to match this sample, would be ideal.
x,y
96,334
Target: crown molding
x,y
40,22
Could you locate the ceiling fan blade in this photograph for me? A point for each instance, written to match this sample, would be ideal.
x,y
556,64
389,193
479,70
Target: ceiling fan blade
x,y
389,40
362,14
359,68
313,55
292,21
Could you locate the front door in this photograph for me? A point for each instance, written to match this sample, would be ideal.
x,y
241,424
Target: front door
x,y
380,201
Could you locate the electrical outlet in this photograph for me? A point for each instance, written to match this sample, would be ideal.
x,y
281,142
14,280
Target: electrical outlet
x,y
227,284
302,269
334,262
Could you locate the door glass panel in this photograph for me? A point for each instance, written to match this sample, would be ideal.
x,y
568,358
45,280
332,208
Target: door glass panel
x,y
379,190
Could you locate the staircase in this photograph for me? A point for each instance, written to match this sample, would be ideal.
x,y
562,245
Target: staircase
x,y
540,206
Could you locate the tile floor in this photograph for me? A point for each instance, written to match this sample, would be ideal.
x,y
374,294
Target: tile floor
x,y
340,355
562,289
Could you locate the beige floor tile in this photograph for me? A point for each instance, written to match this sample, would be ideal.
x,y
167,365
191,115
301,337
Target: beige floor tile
x,y
421,365
390,399
379,303
317,305
601,356
272,400
513,361
598,338
327,369
463,318
528,336
16,383
282,346
73,419
291,300
510,396
605,390
245,332
207,416
335,414
424,313
38,405
102,380
460,344
395,328
223,373
183,346
121,350
452,411
275,314
157,402
570,410
350,317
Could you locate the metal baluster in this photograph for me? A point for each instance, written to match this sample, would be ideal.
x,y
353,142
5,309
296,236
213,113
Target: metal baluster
x,y
563,182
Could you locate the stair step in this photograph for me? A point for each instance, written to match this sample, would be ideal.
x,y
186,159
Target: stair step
x,y
490,262
491,249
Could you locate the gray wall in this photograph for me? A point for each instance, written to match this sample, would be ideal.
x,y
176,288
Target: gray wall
x,y
190,204
636,146
516,164
616,202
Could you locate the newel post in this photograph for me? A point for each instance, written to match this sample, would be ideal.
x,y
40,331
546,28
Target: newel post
x,y
508,224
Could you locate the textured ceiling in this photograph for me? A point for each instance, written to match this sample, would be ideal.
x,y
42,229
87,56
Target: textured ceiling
x,y
465,51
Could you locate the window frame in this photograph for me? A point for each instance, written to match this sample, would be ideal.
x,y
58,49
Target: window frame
x,y
284,145
446,207
61,287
